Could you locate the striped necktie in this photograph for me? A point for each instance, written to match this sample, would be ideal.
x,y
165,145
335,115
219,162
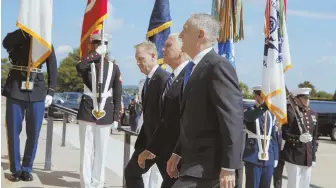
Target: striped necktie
x,y
169,83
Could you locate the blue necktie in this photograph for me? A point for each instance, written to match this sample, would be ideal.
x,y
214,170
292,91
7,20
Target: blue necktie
x,y
145,85
169,83
187,74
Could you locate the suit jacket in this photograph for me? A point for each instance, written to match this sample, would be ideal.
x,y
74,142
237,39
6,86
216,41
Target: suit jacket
x,y
151,105
212,129
113,104
294,150
252,149
168,130
17,44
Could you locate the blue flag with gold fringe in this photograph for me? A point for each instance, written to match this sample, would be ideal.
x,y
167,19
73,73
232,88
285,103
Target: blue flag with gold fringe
x,y
159,26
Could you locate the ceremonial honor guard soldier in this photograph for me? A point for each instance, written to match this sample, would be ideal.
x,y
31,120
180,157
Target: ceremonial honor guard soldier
x,y
300,134
261,146
26,99
96,118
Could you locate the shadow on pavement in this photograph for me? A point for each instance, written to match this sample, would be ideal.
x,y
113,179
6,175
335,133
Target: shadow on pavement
x,y
311,185
50,178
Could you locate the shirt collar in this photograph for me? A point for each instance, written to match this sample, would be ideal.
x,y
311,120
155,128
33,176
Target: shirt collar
x,y
151,73
179,68
200,55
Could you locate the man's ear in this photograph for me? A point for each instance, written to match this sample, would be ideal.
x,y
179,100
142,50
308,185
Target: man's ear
x,y
201,34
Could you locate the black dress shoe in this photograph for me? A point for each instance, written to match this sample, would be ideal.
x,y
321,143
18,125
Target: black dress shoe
x,y
15,177
26,176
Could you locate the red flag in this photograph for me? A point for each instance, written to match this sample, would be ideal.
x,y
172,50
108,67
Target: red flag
x,y
95,13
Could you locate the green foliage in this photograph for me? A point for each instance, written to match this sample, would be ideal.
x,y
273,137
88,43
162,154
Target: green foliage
x,y
68,78
4,69
245,90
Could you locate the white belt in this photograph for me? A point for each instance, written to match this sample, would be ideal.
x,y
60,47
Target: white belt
x,y
92,95
252,135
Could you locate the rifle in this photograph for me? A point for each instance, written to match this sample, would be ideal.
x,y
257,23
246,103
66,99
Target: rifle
x,y
297,113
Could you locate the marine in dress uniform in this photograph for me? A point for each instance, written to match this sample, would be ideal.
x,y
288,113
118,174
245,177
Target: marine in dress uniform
x,y
95,130
301,143
24,103
261,150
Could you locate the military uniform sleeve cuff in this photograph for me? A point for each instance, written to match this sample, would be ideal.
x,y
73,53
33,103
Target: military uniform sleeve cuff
x,y
229,169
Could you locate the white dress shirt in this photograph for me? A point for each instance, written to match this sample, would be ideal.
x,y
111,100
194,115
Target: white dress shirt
x,y
200,56
178,69
151,73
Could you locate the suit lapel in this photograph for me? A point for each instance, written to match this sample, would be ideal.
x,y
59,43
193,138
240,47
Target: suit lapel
x,y
194,76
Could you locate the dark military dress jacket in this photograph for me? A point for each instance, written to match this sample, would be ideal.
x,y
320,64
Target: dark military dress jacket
x,y
89,69
294,150
17,44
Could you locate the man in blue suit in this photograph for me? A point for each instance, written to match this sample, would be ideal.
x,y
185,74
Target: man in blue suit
x,y
261,149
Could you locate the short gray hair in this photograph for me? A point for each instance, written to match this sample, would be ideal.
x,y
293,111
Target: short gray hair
x,y
177,38
148,45
207,23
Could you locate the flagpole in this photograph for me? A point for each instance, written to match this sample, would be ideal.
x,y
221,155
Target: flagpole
x,y
101,75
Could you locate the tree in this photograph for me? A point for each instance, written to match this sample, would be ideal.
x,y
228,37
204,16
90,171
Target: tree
x,y
68,78
5,66
245,90
334,97
323,95
309,85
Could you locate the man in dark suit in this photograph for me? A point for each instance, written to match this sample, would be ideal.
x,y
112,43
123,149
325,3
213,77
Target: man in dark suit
x,y
212,131
168,130
94,127
28,103
146,57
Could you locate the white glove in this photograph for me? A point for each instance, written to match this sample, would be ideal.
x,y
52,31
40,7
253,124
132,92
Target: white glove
x,y
275,163
114,125
314,163
306,137
48,100
102,49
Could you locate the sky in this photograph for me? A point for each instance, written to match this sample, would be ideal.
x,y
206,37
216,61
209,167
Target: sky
x,y
311,31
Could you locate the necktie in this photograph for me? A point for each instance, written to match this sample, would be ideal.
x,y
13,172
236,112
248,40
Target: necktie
x,y
187,74
169,83
146,84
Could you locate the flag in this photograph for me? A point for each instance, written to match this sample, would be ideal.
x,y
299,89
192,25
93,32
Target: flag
x,y
229,13
35,18
94,15
277,60
159,26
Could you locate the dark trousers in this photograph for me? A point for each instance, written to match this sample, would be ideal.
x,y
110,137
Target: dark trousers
x,y
16,110
258,176
277,176
193,182
133,173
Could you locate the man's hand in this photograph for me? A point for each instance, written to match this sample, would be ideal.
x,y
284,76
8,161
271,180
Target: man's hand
x,y
102,49
227,179
314,163
48,100
143,157
114,125
306,137
172,163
